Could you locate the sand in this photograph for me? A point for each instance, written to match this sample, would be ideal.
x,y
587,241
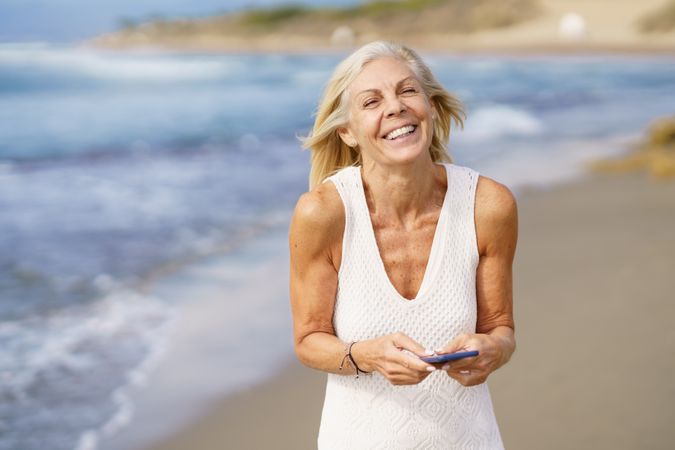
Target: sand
x,y
594,297
609,26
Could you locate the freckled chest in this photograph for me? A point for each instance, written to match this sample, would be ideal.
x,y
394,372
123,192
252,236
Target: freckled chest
x,y
405,253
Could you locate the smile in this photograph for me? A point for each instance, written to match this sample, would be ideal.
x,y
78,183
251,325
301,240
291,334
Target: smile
x,y
399,132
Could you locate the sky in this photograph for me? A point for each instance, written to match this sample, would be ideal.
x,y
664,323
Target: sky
x,y
74,20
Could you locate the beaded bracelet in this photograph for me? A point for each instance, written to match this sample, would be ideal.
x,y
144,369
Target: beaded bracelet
x,y
348,356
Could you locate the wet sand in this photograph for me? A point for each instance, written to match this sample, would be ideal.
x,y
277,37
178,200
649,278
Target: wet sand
x,y
594,293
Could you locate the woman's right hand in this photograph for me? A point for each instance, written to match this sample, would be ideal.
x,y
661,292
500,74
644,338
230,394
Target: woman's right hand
x,y
396,356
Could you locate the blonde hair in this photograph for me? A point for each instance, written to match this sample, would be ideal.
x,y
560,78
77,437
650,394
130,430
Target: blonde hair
x,y
330,153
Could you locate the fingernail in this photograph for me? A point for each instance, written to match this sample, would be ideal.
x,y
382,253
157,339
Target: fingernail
x,y
430,368
445,367
428,352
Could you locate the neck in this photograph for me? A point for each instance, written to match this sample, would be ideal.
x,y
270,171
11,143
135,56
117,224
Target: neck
x,y
402,193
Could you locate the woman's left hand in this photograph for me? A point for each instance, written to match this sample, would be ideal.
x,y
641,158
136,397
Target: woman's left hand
x,y
493,352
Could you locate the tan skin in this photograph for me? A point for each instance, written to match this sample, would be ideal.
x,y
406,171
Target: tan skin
x,y
404,192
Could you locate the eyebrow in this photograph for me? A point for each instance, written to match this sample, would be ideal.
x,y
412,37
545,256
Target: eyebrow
x,y
411,77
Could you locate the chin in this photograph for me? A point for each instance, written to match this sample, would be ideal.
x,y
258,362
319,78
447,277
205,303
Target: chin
x,y
407,154
404,157
408,150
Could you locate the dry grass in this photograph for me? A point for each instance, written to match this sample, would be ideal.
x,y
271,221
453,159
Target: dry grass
x,y
656,155
392,19
660,21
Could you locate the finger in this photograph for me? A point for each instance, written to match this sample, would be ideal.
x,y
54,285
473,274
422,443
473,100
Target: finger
x,y
415,377
474,379
406,343
407,379
399,374
413,362
468,363
460,370
457,344
466,377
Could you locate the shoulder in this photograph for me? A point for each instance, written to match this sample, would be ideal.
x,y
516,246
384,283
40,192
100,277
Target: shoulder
x,y
320,207
318,219
494,200
496,212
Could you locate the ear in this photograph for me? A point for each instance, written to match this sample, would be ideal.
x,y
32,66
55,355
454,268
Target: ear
x,y
347,136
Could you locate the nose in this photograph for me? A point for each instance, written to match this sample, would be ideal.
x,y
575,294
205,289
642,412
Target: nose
x,y
394,106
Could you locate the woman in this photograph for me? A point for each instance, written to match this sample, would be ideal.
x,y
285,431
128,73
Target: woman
x,y
394,257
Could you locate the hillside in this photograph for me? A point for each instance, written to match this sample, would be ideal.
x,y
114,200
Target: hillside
x,y
511,25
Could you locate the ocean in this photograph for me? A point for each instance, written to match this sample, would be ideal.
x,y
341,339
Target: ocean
x,y
117,168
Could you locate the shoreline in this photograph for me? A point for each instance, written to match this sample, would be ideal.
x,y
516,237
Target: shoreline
x,y
517,51
584,246
610,26
282,413
215,347
484,51
553,113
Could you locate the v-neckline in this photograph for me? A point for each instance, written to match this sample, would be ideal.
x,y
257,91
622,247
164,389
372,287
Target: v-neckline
x,y
437,243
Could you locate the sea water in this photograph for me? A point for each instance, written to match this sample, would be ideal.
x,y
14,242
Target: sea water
x,y
116,168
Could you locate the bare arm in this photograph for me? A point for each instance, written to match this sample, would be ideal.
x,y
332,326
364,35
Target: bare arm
x,y
315,241
497,233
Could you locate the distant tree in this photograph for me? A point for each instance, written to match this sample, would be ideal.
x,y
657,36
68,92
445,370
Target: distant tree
x,y
127,23
155,18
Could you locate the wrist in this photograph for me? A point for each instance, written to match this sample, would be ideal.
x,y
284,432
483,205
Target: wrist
x,y
359,356
506,345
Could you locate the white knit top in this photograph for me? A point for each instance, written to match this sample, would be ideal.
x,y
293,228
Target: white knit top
x,y
439,413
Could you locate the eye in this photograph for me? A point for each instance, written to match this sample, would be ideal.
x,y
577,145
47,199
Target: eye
x,y
369,102
409,90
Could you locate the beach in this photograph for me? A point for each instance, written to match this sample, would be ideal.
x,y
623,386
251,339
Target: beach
x,y
600,26
144,290
593,292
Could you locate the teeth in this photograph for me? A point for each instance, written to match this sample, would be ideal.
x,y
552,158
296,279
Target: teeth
x,y
398,132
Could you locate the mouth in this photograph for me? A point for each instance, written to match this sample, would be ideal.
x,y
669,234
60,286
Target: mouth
x,y
400,133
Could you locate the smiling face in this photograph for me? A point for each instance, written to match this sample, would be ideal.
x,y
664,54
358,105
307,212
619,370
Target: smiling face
x,y
390,116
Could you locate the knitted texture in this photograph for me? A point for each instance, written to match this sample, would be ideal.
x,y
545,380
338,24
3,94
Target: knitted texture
x,y
369,412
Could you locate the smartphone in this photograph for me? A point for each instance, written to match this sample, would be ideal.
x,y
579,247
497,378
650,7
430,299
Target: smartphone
x,y
449,357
